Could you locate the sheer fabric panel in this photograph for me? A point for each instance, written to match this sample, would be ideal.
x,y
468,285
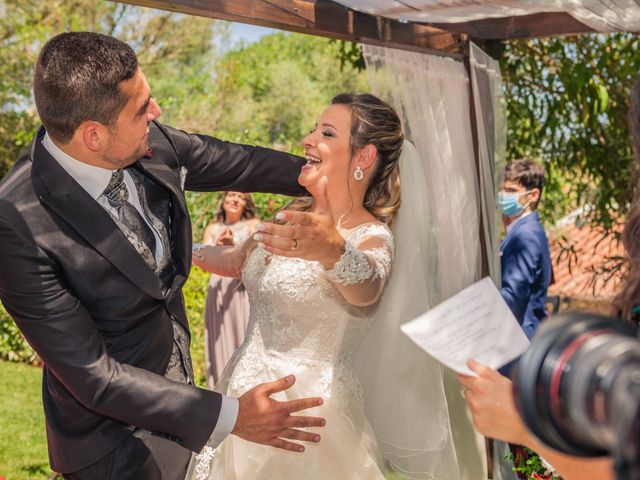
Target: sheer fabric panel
x,y
432,95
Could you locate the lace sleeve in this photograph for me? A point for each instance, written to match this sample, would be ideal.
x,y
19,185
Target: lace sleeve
x,y
365,265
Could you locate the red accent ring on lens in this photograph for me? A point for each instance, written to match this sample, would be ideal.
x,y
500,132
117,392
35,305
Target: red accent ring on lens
x,y
556,378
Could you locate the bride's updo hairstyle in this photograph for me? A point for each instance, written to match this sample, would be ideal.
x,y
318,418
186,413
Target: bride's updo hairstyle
x,y
374,122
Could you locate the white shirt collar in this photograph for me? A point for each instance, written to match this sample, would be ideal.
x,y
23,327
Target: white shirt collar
x,y
93,179
513,224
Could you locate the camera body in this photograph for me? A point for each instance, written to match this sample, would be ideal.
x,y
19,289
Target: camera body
x,y
578,388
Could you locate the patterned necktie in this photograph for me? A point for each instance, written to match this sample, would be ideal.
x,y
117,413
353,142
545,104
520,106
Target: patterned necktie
x,y
135,228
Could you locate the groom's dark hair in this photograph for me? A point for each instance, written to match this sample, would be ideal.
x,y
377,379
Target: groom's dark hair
x,y
77,78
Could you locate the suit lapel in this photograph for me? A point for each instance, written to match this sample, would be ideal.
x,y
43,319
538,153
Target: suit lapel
x,y
62,194
529,218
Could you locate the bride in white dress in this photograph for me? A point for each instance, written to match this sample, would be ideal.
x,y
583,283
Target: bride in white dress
x,y
314,281
313,284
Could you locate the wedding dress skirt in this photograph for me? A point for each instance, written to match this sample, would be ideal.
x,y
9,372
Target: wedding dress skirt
x,y
300,324
348,448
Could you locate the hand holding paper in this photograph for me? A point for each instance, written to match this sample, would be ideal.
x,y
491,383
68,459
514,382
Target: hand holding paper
x,y
475,323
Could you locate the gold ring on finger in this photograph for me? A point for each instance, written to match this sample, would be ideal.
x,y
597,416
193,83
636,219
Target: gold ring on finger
x,y
294,244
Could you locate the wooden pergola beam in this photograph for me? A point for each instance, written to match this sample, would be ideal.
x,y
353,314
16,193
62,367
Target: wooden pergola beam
x,y
329,19
318,17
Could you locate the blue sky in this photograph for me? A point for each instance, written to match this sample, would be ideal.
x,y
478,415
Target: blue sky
x,y
248,33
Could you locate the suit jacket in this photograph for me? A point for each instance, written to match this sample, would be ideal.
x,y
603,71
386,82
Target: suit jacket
x,y
526,271
90,306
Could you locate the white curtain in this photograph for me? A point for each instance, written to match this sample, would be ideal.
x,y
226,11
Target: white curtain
x,y
602,16
431,94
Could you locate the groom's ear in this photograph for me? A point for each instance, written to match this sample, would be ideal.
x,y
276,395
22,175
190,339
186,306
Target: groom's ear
x,y
92,135
367,156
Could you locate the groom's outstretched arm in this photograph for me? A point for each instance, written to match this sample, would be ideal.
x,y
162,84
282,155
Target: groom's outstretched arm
x,y
264,420
215,165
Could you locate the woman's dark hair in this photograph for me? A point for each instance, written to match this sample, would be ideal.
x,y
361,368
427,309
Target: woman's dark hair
x,y
627,303
248,212
77,78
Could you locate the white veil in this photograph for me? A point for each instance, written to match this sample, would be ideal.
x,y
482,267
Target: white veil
x,y
404,393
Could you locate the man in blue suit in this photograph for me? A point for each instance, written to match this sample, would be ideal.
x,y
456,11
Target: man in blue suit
x,y
524,252
526,269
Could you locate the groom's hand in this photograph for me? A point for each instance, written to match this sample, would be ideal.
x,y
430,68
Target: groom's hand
x,y
264,420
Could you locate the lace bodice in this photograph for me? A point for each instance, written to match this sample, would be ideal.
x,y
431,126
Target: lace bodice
x,y
300,320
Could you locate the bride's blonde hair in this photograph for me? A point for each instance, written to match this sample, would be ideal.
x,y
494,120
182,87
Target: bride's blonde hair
x,y
373,122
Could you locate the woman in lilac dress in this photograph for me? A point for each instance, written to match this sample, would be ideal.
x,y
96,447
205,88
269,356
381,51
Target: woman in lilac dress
x,y
227,307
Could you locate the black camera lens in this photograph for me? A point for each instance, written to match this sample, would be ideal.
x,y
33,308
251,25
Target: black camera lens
x,y
578,385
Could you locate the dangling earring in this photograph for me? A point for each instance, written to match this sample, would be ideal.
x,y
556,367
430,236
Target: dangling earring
x,y
358,174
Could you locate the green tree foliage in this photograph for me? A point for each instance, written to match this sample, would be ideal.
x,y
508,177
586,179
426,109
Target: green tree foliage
x,y
272,91
13,346
178,54
567,101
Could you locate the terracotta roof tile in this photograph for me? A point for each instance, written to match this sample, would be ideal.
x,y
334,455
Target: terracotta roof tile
x,y
580,256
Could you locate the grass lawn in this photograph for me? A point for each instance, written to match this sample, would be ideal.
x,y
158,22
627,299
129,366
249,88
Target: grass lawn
x,y
23,445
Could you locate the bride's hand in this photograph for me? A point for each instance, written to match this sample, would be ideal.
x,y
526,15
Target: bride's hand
x,y
264,420
309,235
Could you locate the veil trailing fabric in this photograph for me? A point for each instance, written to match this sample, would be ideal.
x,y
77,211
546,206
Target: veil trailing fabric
x,y
403,386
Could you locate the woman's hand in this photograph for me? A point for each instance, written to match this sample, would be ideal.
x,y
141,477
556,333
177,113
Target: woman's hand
x,y
309,235
225,238
490,399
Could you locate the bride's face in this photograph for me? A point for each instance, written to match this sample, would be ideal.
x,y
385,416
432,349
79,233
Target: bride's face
x,y
326,148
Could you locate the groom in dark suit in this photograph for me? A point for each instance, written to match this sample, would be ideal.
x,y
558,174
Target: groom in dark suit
x,y
95,246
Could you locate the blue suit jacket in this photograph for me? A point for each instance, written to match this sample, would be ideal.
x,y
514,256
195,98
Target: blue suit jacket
x,y
526,271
